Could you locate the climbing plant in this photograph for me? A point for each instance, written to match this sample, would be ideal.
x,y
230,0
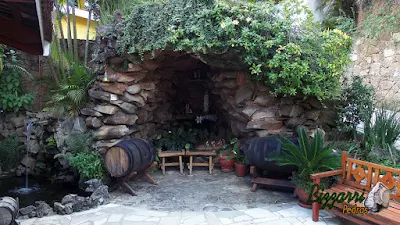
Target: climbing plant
x,y
279,44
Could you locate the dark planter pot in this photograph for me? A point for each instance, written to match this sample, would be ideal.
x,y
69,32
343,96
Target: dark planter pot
x,y
226,165
241,169
303,197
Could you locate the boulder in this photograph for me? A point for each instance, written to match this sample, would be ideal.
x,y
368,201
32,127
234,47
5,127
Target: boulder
x,y
78,203
126,107
28,211
79,126
99,95
148,86
106,109
116,88
93,122
90,112
127,77
136,99
121,118
312,114
291,110
292,123
100,196
59,208
18,121
250,110
265,113
265,100
28,162
111,132
43,209
134,89
227,83
150,65
93,185
33,146
264,124
242,94
134,67
314,102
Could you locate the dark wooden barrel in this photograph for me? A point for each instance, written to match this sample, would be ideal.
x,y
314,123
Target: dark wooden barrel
x,y
260,148
9,208
133,155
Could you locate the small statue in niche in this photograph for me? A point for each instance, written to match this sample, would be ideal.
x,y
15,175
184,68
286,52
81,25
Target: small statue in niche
x,y
206,103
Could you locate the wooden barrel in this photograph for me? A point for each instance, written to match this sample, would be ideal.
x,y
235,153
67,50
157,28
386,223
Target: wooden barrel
x,y
133,155
260,148
9,208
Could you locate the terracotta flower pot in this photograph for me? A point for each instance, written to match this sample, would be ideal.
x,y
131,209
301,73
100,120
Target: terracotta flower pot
x,y
303,197
226,165
241,169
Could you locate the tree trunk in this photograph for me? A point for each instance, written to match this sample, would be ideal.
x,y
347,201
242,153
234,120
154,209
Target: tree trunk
x,y
59,16
75,33
69,30
87,37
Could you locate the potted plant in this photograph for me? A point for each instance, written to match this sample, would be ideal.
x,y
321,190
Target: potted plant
x,y
226,156
241,163
309,157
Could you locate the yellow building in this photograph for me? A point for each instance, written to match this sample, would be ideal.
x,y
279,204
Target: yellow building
x,y
82,16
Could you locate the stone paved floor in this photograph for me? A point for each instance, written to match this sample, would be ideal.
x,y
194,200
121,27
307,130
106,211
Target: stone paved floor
x,y
114,214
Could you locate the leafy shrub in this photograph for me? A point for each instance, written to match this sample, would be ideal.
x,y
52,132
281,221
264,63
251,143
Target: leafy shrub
x,y
12,96
89,165
80,143
177,138
352,147
356,104
10,152
342,22
288,55
380,136
70,94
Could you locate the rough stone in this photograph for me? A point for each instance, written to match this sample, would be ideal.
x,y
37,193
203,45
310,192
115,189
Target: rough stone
x,y
59,208
93,122
314,102
265,113
291,110
29,210
148,86
99,95
106,109
312,114
93,184
134,67
121,118
43,209
33,146
90,112
134,89
136,99
264,100
125,106
28,162
79,126
111,132
227,83
250,110
150,65
327,117
116,88
18,121
264,124
100,196
294,122
388,52
127,77
78,203
242,94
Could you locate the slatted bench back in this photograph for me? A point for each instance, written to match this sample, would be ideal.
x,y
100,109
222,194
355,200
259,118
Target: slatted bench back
x,y
364,175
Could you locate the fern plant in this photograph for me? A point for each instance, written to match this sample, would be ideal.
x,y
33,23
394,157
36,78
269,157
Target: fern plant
x,y
309,157
71,95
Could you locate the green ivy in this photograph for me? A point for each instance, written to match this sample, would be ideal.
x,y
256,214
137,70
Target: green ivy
x,y
289,60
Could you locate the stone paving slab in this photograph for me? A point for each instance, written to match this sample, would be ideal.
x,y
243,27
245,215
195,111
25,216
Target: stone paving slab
x,y
115,214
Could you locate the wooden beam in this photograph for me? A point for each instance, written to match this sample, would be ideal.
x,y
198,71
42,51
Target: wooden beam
x,y
16,12
19,32
31,48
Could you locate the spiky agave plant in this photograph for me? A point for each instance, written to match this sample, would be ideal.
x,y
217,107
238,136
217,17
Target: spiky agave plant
x,y
309,157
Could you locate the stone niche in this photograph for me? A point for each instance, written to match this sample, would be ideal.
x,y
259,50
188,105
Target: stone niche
x,y
140,99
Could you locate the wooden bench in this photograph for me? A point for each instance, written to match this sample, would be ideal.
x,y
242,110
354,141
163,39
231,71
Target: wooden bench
x,y
164,155
356,176
209,164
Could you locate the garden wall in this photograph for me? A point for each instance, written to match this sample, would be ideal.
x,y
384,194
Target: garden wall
x,y
379,62
134,101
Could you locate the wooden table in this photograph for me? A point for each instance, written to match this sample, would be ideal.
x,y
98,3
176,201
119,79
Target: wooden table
x,y
164,155
210,152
